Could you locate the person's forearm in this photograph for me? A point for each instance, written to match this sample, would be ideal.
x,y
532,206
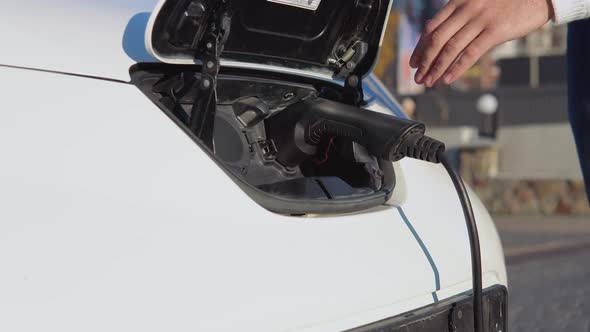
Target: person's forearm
x,y
570,10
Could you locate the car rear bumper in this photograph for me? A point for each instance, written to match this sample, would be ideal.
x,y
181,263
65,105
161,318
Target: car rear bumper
x,y
454,314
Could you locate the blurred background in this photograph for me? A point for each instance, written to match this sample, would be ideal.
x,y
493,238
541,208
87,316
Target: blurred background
x,y
505,119
506,124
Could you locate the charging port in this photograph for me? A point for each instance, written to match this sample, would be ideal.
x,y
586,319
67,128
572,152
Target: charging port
x,y
337,175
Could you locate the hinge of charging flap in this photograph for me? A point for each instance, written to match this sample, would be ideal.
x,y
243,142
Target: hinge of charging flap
x,y
210,47
347,60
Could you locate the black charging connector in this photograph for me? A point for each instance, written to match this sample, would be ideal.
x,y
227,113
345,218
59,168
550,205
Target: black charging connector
x,y
299,129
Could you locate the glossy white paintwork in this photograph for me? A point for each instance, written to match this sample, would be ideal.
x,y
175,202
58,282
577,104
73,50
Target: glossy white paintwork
x,y
112,219
82,37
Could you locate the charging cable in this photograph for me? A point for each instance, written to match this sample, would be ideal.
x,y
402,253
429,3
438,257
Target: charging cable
x,y
419,146
422,147
299,129
476,272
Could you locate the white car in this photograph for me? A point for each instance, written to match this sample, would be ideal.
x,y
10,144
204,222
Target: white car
x,y
147,180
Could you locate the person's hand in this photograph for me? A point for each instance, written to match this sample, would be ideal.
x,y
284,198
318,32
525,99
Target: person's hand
x,y
464,30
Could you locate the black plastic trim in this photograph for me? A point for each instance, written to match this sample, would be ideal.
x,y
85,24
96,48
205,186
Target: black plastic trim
x,y
264,32
448,315
277,204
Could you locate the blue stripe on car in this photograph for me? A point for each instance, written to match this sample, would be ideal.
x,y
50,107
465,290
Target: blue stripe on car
x,y
374,90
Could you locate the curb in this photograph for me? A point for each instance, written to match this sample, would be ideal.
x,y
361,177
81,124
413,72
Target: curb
x,y
546,250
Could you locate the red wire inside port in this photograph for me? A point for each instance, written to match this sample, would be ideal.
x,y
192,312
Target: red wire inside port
x,y
326,154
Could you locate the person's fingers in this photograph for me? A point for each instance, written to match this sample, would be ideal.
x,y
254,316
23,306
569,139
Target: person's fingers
x,y
470,55
451,51
443,14
435,41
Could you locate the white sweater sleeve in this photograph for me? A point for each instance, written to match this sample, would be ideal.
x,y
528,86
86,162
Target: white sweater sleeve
x,y
570,10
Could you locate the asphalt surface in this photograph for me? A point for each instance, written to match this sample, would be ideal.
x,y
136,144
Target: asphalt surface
x,y
548,273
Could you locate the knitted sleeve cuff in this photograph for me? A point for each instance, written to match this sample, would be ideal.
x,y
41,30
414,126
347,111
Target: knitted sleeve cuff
x,y
570,10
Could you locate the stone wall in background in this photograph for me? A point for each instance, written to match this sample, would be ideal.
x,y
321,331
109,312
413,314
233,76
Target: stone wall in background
x,y
510,196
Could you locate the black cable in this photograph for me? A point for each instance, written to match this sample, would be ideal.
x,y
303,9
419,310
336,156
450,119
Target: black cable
x,y
476,272
419,146
387,137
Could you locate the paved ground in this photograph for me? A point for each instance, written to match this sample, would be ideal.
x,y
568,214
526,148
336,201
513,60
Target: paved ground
x,y
549,273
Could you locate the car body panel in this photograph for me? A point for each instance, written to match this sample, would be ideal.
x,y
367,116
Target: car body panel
x,y
113,219
85,37
93,38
